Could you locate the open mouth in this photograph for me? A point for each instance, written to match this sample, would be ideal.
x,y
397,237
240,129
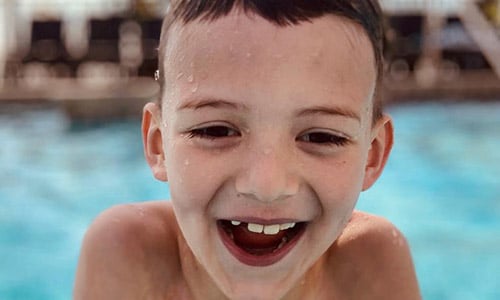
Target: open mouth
x,y
257,244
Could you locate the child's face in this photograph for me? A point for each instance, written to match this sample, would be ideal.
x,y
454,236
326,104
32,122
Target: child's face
x,y
266,125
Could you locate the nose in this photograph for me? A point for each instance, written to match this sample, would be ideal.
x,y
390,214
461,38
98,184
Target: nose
x,y
267,176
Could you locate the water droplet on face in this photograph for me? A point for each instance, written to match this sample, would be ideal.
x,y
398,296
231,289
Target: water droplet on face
x,y
190,78
140,210
248,55
186,162
394,233
194,89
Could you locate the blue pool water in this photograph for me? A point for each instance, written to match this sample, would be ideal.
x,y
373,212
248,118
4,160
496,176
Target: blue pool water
x,y
441,188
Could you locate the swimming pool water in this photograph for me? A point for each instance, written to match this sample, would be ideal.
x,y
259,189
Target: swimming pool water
x,y
441,187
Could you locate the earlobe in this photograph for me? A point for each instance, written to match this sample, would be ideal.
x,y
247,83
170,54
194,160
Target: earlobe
x,y
153,141
380,148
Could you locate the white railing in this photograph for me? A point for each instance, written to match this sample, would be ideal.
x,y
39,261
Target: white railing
x,y
484,33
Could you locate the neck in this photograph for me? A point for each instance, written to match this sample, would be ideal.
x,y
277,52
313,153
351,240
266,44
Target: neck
x,y
198,281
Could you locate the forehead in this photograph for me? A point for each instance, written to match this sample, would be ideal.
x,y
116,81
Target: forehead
x,y
330,53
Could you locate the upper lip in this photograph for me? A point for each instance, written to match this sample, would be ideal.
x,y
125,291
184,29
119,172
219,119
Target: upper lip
x,y
256,220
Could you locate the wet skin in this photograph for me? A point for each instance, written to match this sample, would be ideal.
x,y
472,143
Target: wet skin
x,y
267,125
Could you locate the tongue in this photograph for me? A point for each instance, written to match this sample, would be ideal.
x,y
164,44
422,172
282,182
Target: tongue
x,y
256,241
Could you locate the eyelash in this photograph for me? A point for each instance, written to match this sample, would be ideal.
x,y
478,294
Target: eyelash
x,y
213,132
317,138
324,138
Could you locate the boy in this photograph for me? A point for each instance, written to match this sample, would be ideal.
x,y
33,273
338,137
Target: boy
x,y
267,129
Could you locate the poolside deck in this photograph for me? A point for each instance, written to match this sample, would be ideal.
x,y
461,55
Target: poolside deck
x,y
126,97
468,86
84,101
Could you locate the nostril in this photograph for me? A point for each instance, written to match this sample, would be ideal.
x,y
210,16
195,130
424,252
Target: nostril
x,y
267,177
266,188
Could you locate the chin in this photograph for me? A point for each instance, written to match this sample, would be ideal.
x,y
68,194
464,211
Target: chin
x,y
246,282
257,290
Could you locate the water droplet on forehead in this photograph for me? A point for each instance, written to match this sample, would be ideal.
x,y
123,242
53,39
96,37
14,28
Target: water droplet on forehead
x,y
190,78
194,89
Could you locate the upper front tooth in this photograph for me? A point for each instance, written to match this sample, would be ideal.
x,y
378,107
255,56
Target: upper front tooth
x,y
266,229
285,226
271,229
235,223
256,228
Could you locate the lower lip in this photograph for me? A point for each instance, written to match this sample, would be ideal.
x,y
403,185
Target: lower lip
x,y
258,260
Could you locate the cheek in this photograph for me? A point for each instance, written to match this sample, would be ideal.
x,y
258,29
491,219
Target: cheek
x,y
193,177
338,195
339,182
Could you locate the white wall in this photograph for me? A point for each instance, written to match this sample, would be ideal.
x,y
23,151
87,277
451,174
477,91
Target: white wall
x,y
442,6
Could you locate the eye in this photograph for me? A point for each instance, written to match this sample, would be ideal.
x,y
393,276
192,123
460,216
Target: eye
x,y
323,138
213,132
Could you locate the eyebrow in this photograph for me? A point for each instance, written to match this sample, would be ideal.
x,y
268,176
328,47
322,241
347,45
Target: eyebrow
x,y
330,111
315,110
211,102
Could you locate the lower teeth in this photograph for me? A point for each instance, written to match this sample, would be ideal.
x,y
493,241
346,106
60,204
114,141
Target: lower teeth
x,y
284,240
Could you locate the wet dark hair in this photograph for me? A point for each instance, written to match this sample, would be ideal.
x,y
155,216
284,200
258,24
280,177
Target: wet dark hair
x,y
366,13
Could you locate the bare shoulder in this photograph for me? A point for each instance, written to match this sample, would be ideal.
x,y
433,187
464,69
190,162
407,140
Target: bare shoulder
x,y
124,249
373,258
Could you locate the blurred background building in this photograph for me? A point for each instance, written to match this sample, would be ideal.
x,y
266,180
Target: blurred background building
x,y
94,57
103,53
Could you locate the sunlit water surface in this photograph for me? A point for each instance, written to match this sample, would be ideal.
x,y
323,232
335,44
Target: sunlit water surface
x,y
441,187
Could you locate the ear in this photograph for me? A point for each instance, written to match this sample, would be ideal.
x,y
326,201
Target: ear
x,y
380,148
153,141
